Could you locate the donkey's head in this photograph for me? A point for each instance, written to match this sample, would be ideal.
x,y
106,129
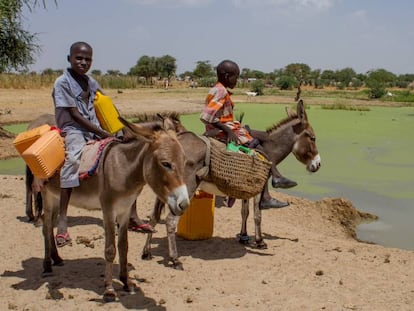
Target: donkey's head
x,y
163,162
304,148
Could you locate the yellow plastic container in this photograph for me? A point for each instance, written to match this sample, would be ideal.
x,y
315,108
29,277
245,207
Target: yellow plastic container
x,y
197,222
107,113
25,139
45,155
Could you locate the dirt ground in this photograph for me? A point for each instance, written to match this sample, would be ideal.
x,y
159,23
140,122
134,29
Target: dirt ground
x,y
313,260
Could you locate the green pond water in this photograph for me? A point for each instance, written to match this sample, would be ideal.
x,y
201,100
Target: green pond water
x,y
366,158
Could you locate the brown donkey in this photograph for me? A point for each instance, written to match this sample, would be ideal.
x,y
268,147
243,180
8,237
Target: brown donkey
x,y
293,134
154,157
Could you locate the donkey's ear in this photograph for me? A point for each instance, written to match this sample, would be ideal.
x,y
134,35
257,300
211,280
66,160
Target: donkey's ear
x,y
290,112
138,130
169,124
160,116
301,111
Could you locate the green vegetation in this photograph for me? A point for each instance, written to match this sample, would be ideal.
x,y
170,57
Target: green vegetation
x,y
18,46
345,107
149,67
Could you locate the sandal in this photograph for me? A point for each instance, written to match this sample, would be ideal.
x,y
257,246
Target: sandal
x,y
63,239
142,228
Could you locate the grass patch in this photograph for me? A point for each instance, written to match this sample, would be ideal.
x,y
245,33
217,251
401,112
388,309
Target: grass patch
x,y
345,107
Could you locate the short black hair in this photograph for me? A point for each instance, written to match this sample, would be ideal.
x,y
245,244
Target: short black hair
x,y
226,66
76,44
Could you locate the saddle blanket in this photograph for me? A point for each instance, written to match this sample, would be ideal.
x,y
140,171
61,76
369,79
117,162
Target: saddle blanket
x,y
91,155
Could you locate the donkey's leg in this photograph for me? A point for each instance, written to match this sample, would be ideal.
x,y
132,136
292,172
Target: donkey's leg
x,y
51,253
110,253
172,243
29,194
243,236
258,223
146,251
154,219
48,240
38,203
123,252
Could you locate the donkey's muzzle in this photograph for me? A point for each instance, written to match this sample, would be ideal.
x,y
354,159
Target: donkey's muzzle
x,y
315,164
178,200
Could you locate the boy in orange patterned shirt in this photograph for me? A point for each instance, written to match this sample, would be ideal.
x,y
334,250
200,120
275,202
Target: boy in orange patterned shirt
x,y
219,121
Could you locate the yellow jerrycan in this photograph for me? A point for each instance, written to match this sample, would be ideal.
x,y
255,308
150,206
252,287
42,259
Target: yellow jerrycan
x,y
107,113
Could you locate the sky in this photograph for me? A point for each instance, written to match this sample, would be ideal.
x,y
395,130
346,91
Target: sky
x,y
263,35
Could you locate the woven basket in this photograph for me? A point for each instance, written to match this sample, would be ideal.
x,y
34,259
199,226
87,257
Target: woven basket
x,y
238,175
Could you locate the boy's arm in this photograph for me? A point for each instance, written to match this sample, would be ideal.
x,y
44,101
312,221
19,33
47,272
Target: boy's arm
x,y
84,123
231,136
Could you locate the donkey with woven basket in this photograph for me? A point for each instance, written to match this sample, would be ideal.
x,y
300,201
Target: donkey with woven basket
x,y
292,134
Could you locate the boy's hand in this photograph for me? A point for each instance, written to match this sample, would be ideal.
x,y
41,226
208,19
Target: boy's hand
x,y
232,137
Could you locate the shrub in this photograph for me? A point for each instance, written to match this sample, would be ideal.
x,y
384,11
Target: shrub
x,y
376,89
286,82
207,82
258,86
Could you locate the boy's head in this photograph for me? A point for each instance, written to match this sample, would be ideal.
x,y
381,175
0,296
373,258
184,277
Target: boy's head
x,y
227,73
80,57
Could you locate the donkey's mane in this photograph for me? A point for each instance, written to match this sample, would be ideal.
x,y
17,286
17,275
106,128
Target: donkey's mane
x,y
280,123
151,117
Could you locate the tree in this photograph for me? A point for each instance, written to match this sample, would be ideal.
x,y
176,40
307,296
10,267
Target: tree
x,y
377,80
383,76
145,67
113,72
17,46
300,71
257,74
96,72
203,69
245,73
314,78
345,76
286,82
328,77
167,66
150,66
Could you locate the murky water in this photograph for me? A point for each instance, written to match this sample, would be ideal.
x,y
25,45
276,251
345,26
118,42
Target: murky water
x,y
394,228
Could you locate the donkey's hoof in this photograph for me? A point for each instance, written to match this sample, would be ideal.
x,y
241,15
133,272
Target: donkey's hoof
x,y
38,222
46,274
58,261
109,295
243,239
261,245
131,288
146,256
177,265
